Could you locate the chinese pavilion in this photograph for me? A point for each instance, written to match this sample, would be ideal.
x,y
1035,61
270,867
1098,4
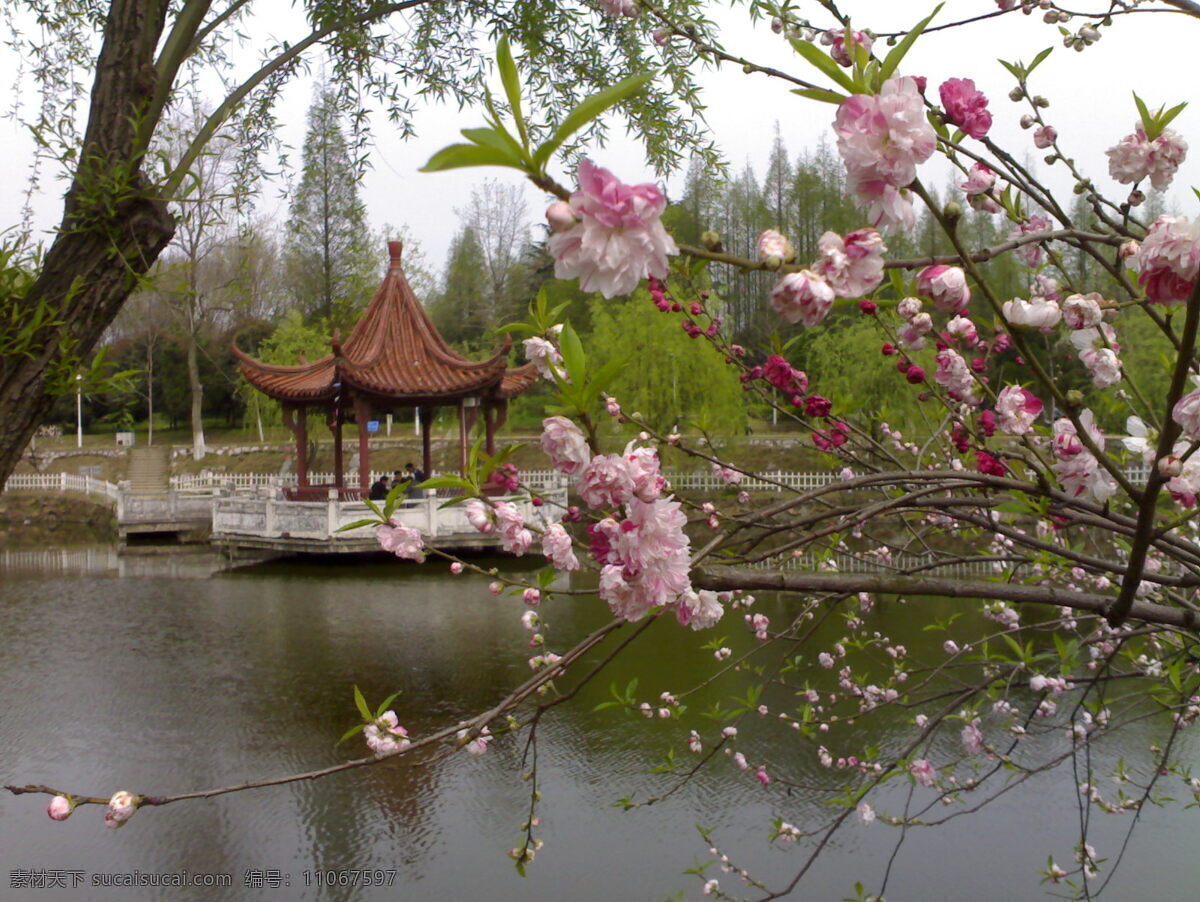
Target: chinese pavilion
x,y
394,358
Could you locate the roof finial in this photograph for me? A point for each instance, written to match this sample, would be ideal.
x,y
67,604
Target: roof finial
x,y
395,248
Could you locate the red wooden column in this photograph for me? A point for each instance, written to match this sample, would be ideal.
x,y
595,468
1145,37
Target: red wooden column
x,y
489,428
426,415
462,437
295,419
336,428
362,413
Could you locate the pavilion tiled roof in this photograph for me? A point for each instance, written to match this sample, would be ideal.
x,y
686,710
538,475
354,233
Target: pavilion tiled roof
x,y
393,353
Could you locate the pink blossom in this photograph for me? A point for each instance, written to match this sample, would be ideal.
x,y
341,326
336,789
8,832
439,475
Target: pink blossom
x,y
954,375
60,808
825,659
478,515
980,180
1104,365
619,239
888,208
966,106
773,245
476,745
781,375
648,481
606,481
545,358
699,610
881,139
1018,408
988,465
531,597
619,8
1077,468
802,296
402,541
1186,413
1045,136
120,808
694,743
1168,260
972,737
761,776
945,286
962,328
853,265
385,736
1082,311
1036,313
456,568
556,546
514,537
729,477
909,307
1031,253
1135,158
837,45
923,772
566,445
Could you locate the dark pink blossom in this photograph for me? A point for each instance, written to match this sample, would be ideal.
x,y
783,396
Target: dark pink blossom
x,y
966,106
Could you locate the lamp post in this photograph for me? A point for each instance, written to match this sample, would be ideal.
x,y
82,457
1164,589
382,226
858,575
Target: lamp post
x,y
78,411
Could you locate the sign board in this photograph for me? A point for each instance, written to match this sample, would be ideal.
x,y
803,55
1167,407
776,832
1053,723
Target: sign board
x,y
124,439
372,426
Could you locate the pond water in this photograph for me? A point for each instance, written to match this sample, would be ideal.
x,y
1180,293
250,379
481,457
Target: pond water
x,y
159,675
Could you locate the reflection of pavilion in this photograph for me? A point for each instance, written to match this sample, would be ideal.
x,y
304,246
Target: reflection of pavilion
x,y
393,359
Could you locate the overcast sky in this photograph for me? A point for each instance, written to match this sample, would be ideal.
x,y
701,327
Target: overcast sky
x,y
1090,93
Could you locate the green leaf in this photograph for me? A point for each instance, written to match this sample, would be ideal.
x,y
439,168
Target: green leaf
x,y
512,86
497,138
446,482
459,156
1037,61
1144,113
896,54
374,509
350,732
1164,119
357,524
821,94
572,354
361,704
385,704
825,64
394,496
589,109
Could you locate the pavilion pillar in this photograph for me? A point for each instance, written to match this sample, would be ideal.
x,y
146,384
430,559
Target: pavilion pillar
x,y
362,413
462,436
489,428
336,428
426,416
296,419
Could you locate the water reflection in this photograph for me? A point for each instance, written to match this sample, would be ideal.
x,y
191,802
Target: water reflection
x,y
134,673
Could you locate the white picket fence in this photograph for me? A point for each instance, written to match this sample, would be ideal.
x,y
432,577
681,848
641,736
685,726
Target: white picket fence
x,y
61,482
538,480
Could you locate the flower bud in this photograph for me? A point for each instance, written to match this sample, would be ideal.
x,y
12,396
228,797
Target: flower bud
x,y
60,808
1168,467
456,568
712,241
1074,398
661,35
1136,198
1027,121
120,809
532,597
560,216
1016,94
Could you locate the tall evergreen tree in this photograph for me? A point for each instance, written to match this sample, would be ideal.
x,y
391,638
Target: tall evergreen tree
x,y
330,261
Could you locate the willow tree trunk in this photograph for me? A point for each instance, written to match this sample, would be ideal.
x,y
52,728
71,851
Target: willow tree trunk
x,y
113,228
